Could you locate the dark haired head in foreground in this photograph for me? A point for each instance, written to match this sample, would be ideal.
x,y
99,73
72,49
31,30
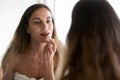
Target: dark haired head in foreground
x,y
93,43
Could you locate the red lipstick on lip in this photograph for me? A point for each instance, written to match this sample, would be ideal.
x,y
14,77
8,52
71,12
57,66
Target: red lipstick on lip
x,y
44,34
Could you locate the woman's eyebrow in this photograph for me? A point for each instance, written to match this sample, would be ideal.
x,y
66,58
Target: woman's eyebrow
x,y
36,18
49,17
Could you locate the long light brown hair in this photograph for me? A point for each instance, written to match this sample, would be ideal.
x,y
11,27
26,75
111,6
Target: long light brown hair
x,y
93,43
21,39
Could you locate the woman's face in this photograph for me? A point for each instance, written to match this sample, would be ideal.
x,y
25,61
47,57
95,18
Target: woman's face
x,y
40,25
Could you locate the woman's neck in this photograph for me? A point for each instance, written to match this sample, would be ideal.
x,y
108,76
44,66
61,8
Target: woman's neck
x,y
36,47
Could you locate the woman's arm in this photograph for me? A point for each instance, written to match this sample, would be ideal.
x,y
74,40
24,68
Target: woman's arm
x,y
8,69
49,52
8,76
8,73
1,73
49,70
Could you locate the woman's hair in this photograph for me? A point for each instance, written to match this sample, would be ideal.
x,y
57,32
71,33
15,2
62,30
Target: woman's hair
x,y
21,39
93,43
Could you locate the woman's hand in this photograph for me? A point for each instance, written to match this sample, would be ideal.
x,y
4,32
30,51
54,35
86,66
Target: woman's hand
x,y
49,52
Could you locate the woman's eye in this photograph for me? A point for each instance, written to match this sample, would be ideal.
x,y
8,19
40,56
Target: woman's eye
x,y
37,22
48,21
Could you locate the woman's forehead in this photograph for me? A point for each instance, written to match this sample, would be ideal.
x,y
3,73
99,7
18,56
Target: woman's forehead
x,y
42,13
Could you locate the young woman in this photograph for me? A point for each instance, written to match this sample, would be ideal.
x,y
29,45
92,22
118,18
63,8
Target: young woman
x,y
35,49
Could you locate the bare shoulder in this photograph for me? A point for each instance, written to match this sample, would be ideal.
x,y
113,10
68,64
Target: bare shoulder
x,y
9,67
8,70
1,73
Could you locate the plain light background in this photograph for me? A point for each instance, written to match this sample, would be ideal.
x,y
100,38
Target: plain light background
x,y
11,12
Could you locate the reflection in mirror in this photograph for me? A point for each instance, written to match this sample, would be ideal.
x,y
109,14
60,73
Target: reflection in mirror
x,y
34,51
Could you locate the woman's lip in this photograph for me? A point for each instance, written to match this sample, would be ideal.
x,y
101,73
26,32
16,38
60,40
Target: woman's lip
x,y
44,34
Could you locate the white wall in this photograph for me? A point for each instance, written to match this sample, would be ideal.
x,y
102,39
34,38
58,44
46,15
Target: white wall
x,y
63,9
116,5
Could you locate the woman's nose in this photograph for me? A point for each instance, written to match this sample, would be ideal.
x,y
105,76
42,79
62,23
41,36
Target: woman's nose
x,y
44,26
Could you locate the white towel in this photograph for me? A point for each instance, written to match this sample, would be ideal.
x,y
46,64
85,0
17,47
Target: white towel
x,y
18,76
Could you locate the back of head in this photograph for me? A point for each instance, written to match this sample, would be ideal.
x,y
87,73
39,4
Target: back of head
x,y
93,40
